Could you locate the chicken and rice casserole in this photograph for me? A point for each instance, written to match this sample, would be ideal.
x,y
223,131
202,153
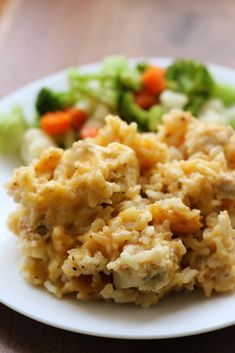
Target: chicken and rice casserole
x,y
129,216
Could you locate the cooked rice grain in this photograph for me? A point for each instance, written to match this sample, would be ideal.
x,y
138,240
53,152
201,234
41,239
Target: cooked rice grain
x,y
130,217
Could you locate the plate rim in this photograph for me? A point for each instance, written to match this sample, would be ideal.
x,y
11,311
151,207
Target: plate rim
x,y
91,332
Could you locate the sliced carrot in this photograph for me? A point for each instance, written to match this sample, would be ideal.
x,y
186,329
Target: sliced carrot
x,y
88,131
153,79
56,123
78,117
145,99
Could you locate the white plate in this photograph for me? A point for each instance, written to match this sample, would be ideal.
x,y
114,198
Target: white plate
x,y
179,315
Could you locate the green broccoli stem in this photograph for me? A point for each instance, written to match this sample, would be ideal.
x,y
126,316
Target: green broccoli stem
x,y
147,120
67,99
101,96
232,123
195,104
155,115
130,111
225,92
74,74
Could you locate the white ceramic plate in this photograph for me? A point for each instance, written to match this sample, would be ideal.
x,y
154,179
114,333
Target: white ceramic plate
x,y
179,315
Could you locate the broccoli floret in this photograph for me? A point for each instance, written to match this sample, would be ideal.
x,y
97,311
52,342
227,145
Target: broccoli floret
x,y
50,101
12,128
193,79
130,79
142,66
189,77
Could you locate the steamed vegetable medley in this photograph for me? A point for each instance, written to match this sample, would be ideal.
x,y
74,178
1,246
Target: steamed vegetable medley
x,y
143,93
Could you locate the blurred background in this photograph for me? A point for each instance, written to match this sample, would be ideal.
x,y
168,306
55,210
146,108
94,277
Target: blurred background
x,y
40,37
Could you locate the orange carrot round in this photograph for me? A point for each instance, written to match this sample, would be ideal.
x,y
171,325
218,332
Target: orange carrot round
x,y
145,99
56,123
78,117
153,79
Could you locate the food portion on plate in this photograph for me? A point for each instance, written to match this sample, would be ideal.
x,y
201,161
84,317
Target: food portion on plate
x,y
130,216
142,93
